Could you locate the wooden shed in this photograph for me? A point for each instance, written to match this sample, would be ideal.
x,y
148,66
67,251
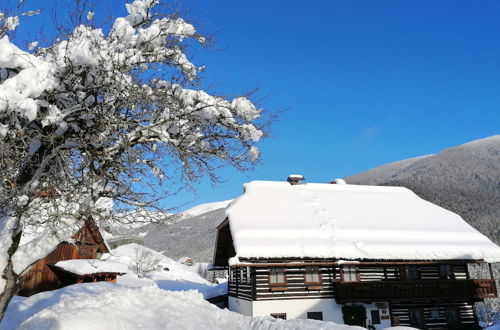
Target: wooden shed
x,y
88,270
88,244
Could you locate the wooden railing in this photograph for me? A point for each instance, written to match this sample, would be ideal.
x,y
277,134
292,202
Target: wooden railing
x,y
421,289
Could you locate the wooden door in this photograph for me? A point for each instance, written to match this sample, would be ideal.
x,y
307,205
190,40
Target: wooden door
x,y
417,318
354,315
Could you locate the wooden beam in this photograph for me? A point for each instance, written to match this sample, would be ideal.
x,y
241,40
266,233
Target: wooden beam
x,y
354,263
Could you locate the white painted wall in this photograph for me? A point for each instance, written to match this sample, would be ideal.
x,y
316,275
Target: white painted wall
x,y
240,306
383,323
298,308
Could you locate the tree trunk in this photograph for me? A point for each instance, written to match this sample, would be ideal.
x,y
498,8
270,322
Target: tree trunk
x,y
11,278
10,288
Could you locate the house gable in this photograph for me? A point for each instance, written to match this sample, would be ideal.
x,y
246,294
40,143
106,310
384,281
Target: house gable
x,y
224,247
90,234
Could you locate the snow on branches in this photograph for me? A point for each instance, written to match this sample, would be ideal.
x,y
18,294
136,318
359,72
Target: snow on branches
x,y
92,115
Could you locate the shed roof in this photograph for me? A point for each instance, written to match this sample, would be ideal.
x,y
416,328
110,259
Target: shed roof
x,y
92,266
279,220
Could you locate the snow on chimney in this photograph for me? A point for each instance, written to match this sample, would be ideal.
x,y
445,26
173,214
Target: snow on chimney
x,y
294,179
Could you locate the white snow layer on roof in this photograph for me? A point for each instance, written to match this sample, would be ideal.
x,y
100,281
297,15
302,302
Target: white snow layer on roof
x,y
204,208
276,219
92,266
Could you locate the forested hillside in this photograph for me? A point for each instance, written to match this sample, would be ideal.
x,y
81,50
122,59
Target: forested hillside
x,y
464,179
193,235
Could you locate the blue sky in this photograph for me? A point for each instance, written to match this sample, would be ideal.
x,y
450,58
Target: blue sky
x,y
359,83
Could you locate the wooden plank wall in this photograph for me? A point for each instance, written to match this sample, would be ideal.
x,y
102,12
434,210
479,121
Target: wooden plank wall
x,y
466,312
257,288
41,278
296,287
426,272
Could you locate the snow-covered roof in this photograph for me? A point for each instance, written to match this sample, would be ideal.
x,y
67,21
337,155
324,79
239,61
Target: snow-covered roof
x,y
92,266
276,219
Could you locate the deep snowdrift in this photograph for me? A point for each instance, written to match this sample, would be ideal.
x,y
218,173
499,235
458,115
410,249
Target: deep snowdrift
x,y
113,306
167,274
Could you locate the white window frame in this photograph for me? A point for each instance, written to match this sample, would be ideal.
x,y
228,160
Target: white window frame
x,y
249,279
312,275
274,273
350,273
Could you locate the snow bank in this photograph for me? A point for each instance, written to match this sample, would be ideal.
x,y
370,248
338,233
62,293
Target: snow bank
x,y
92,266
276,219
112,306
167,273
493,327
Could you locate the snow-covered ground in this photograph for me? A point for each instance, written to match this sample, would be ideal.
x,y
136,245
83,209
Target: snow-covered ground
x,y
494,327
111,306
172,296
167,275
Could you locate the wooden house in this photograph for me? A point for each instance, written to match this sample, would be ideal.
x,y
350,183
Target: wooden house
x,y
359,255
44,276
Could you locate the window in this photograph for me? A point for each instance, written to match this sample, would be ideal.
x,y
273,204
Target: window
x,y
412,273
277,276
452,315
315,315
242,275
434,313
416,317
312,275
375,316
230,272
445,271
277,279
350,274
249,279
279,315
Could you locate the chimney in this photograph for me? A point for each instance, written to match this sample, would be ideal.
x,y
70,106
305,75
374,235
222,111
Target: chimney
x,y
294,179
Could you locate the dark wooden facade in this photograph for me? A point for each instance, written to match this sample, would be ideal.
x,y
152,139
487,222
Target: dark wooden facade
x,y
88,244
436,302
422,294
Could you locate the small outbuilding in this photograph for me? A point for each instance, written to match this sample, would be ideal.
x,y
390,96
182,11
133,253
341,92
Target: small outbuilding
x,y
88,243
88,270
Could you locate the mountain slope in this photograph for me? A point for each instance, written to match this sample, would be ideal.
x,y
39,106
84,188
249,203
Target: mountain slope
x,y
192,236
464,179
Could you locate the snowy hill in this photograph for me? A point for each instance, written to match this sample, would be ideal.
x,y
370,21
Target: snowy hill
x,y
464,179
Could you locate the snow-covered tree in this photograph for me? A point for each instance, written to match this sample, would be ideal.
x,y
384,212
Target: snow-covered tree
x,y
88,119
145,261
